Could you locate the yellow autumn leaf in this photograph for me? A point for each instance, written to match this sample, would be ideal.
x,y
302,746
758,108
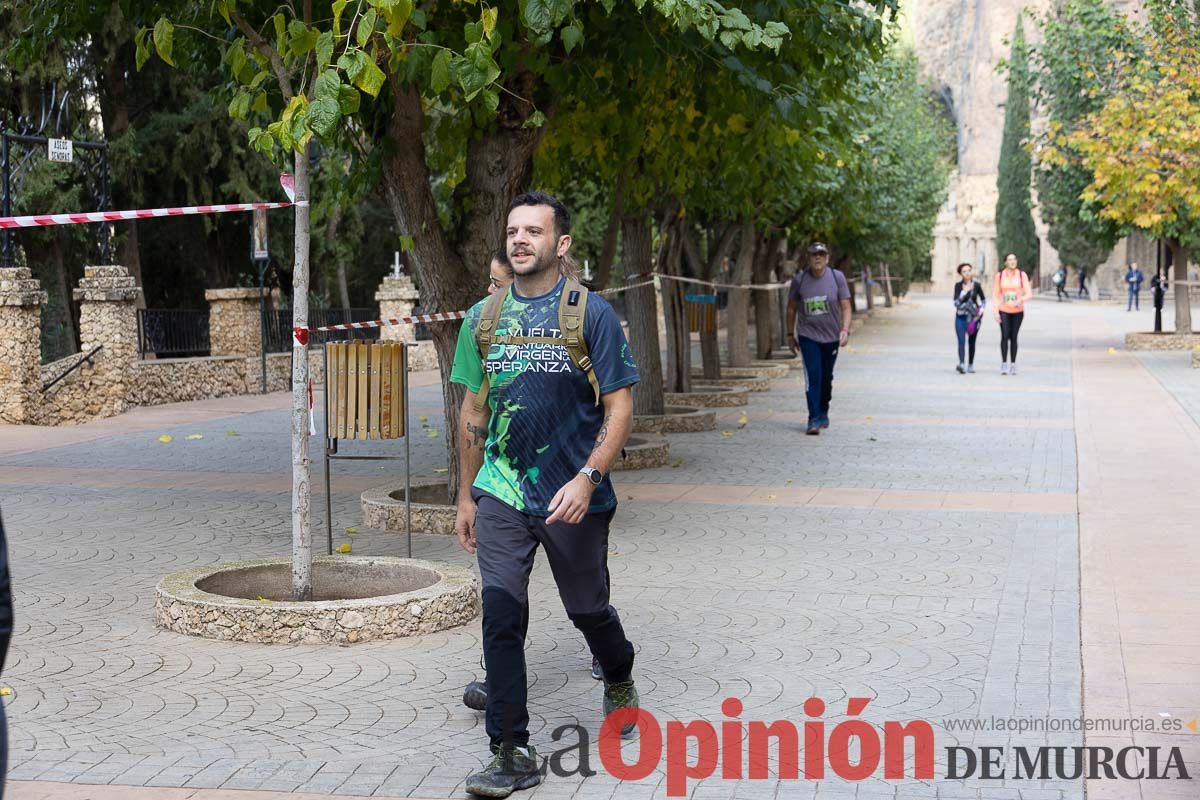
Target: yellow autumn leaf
x,y
737,124
441,470
165,438
770,497
232,433
344,549
422,419
789,481
742,420
262,599
678,463
432,433
727,434
351,531
5,691
192,437
1112,351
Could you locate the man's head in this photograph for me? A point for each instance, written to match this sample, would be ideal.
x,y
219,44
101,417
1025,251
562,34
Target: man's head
x,y
1133,267
538,235
818,256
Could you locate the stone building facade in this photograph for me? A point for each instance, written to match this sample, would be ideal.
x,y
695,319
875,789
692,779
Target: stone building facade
x,y
959,44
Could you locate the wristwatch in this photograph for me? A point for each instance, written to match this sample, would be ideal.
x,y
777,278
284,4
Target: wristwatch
x,y
594,475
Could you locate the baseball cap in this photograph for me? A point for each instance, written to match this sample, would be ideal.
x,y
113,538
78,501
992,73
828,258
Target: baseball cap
x,y
818,247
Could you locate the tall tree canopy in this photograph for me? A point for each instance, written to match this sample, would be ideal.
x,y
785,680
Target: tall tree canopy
x,y
1015,230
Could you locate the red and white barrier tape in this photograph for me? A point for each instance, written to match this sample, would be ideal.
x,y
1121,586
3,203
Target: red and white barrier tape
x,y
40,220
300,335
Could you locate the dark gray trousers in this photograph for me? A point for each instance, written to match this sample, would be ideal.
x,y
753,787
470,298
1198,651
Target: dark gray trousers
x,y
506,542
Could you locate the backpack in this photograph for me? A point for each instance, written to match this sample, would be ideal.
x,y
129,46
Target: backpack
x,y
1058,278
571,312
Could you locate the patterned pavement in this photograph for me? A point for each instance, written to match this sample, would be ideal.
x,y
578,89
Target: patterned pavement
x,y
933,612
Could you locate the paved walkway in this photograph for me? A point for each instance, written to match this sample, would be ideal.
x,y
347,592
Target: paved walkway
x,y
923,552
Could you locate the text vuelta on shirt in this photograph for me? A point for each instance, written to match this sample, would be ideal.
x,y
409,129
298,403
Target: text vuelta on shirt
x,y
530,357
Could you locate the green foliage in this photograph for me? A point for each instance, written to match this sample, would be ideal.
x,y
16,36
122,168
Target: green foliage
x,y
1083,45
1015,230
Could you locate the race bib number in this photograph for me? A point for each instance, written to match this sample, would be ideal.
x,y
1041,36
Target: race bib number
x,y
816,306
1010,298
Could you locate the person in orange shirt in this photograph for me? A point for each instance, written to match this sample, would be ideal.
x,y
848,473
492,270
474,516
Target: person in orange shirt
x,y
1010,295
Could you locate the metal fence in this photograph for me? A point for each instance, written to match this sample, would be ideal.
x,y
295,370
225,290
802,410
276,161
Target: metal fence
x,y
172,332
279,326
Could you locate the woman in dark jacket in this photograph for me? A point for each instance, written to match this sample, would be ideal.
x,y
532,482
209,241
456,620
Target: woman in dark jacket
x,y
968,316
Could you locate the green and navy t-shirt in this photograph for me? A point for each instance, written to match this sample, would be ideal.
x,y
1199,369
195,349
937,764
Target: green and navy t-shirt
x,y
544,417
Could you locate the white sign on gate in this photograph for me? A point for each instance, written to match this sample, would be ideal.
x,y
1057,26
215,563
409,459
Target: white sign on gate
x,y
60,150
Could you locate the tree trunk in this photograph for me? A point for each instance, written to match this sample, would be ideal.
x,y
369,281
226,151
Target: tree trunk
x,y
112,53
764,316
301,489
641,309
1183,300
866,273
608,250
699,267
738,316
331,231
887,286
679,340
451,268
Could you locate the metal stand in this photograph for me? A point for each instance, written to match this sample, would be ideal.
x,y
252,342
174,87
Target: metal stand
x,y
331,454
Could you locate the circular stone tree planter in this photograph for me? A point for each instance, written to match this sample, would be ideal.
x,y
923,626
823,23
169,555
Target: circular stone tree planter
x,y
358,599
710,396
754,372
751,383
383,508
644,452
677,419
1161,341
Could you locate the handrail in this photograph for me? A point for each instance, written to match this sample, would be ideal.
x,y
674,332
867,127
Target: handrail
x,y
73,367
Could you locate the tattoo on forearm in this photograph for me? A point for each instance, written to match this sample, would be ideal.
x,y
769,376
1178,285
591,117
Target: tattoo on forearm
x,y
478,434
603,434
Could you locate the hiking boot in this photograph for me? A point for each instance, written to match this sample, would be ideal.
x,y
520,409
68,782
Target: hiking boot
x,y
475,695
814,428
510,769
971,368
597,673
622,694
961,369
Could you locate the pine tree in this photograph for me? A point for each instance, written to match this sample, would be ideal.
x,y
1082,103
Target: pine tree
x,y
1015,231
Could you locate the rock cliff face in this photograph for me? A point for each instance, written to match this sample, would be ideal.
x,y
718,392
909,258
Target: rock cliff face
x,y
960,44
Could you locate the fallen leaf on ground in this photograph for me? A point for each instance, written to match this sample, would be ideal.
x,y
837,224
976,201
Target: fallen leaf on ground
x,y
344,549
873,439
742,420
433,433
232,433
727,434
422,419
678,463
351,531
441,470
789,481
166,437
770,497
191,437
5,691
262,599
1112,351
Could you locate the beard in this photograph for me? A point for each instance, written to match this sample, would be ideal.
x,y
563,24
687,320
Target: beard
x,y
542,261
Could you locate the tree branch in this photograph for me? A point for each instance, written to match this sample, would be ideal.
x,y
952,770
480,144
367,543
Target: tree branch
x,y
270,53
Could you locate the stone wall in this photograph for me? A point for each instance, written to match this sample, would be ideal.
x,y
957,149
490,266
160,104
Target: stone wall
x,y
21,299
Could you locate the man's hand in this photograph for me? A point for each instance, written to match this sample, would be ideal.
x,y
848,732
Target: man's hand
x,y
843,338
571,502
791,341
464,524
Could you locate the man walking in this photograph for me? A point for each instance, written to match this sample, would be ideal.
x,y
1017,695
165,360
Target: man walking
x,y
1060,284
1083,290
550,410
1134,279
822,326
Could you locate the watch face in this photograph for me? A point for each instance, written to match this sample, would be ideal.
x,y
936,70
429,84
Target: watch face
x,y
595,476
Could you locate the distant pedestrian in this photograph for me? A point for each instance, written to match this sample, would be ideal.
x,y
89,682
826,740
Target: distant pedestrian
x,y
1134,279
822,326
1060,284
1083,290
968,314
1010,295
